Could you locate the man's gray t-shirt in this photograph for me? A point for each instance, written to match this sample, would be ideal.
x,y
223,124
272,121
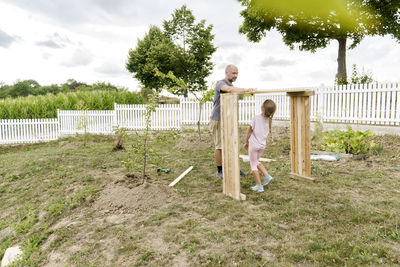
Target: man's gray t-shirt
x,y
216,111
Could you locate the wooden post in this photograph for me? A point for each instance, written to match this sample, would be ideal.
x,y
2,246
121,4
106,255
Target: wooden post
x,y
300,134
230,145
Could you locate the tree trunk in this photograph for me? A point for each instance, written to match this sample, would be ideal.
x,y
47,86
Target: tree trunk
x,y
144,156
198,122
341,75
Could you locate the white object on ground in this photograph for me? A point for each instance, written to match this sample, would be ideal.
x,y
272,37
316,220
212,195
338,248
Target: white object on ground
x,y
11,254
181,176
245,158
325,157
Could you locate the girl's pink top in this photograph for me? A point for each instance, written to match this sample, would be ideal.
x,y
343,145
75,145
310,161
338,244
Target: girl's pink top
x,y
260,127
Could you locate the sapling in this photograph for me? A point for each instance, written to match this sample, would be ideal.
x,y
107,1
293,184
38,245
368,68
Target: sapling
x,y
143,152
175,85
83,121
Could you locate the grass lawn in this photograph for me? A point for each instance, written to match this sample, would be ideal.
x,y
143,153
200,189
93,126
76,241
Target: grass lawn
x,y
67,204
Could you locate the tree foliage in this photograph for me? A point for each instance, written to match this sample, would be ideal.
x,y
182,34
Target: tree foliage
x,y
183,48
313,24
32,87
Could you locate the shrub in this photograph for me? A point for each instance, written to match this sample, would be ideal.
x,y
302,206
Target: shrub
x,y
350,141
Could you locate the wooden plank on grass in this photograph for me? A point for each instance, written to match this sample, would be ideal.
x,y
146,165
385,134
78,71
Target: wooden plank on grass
x,y
181,176
245,158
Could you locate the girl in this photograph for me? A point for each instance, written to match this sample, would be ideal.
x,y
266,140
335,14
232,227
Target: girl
x,y
255,143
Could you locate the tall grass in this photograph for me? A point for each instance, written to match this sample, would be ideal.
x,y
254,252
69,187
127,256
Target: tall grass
x,y
45,106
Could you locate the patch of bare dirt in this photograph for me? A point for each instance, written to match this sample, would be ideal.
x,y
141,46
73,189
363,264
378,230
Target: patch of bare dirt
x,y
129,194
192,142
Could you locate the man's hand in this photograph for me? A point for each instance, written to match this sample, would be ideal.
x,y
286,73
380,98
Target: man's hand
x,y
246,145
251,91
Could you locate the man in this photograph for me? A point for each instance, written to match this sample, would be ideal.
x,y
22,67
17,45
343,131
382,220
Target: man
x,y
223,86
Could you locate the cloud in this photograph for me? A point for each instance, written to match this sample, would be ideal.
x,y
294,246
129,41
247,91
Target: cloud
x,y
268,77
234,59
6,40
76,12
47,56
80,57
321,75
112,69
49,43
55,41
272,61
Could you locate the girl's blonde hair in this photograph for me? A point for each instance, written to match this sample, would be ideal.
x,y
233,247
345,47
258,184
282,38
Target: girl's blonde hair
x,y
269,109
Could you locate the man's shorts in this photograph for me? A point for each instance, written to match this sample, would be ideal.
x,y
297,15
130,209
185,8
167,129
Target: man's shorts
x,y
215,128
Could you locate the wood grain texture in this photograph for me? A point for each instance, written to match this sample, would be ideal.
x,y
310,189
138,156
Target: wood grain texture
x,y
230,145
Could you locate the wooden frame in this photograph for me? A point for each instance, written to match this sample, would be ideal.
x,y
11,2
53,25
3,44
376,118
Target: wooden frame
x,y
300,138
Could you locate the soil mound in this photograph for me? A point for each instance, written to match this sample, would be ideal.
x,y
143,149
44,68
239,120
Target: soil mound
x,y
127,195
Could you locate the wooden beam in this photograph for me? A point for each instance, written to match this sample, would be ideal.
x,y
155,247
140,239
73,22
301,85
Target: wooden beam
x,y
300,135
303,93
299,91
294,175
230,145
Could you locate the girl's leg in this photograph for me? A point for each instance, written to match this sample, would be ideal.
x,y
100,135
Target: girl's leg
x,y
254,156
256,176
262,169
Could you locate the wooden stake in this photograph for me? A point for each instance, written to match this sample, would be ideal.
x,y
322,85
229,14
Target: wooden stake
x,y
300,134
230,145
181,176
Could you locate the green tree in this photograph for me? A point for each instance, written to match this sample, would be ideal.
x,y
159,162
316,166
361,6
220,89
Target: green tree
x,y
183,48
153,51
5,90
312,24
24,88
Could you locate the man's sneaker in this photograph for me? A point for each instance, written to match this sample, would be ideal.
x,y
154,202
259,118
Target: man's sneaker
x,y
242,173
267,180
219,174
258,189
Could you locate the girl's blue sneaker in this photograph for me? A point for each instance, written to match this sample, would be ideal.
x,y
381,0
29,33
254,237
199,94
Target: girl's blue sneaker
x,y
257,188
267,180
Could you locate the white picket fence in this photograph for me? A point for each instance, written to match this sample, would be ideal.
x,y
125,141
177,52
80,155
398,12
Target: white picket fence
x,y
90,121
166,117
28,131
377,104
373,104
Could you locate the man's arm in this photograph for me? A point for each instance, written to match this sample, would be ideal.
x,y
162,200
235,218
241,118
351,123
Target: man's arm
x,y
232,89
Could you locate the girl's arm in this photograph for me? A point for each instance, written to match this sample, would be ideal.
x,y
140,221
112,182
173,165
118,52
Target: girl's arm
x,y
248,134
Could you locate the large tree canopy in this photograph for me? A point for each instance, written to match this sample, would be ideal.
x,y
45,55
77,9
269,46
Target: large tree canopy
x,y
313,24
182,48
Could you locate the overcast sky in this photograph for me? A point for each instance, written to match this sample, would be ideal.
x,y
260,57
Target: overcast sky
x,y
51,41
